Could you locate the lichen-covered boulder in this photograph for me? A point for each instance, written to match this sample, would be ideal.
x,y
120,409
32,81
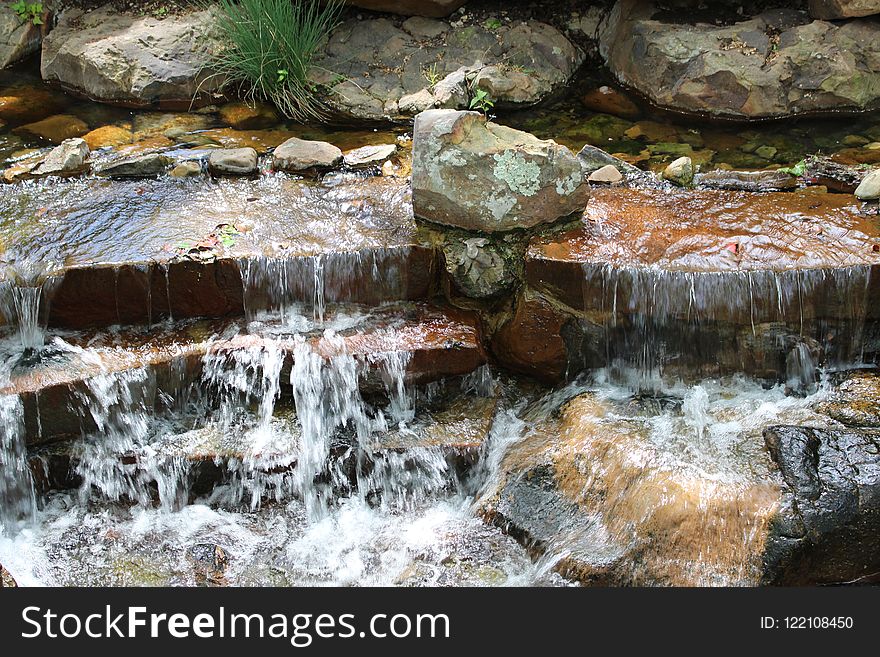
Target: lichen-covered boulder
x,y
376,70
776,64
132,60
481,176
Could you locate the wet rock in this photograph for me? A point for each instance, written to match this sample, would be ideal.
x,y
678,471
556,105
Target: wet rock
x,y
610,101
592,159
531,341
375,70
108,136
608,174
776,64
18,38
746,181
209,563
233,161
150,165
833,175
55,129
478,267
828,527
369,155
482,176
869,187
680,171
431,8
248,116
132,60
855,402
67,159
25,104
188,169
835,9
6,579
302,155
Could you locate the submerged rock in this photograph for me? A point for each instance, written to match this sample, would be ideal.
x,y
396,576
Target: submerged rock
x,y
132,60
482,176
248,116
372,69
746,181
869,187
302,155
55,129
150,165
610,101
776,64
233,161
108,136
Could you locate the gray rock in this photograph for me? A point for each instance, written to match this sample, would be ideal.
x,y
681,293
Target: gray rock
x,y
18,39
132,60
482,176
66,159
478,267
592,158
150,165
425,28
869,188
680,171
301,155
607,174
233,161
776,64
372,69
746,181
368,155
834,9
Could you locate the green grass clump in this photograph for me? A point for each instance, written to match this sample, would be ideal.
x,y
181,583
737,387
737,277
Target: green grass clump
x,y
267,46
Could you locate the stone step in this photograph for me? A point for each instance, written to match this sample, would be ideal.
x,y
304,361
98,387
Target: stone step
x,y
137,252
697,273
453,427
437,343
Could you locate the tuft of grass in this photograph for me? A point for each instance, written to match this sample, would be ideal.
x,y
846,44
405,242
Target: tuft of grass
x,y
268,46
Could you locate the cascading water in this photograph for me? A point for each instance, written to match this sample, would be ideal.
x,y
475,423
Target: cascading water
x,y
17,498
23,301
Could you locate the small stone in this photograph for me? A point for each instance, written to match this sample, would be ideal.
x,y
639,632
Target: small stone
x,y
680,171
367,155
855,140
233,161
65,159
150,165
55,129
417,102
869,188
301,155
244,116
610,101
873,146
767,152
187,169
607,174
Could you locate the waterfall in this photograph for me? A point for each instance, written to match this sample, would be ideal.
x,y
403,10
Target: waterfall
x,y
17,497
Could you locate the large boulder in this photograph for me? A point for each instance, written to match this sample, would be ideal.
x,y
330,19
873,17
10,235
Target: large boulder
x,y
435,8
776,64
375,70
833,9
481,176
19,38
132,60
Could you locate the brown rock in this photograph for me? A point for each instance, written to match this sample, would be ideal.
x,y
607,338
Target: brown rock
x,y
833,9
530,342
25,103
245,116
108,135
55,129
610,101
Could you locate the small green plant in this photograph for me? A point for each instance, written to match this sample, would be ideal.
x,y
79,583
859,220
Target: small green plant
x,y
432,75
492,24
797,170
268,48
481,101
32,12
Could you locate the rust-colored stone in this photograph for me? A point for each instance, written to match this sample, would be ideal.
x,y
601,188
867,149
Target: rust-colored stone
x,y
531,341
